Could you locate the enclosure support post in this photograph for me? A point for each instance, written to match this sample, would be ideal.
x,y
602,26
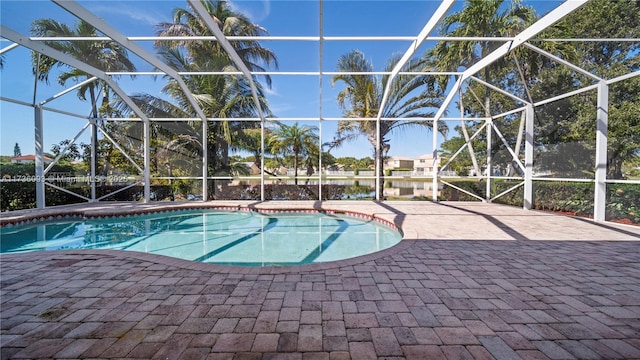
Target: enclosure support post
x,y
262,150
489,163
147,160
600,193
94,159
320,48
205,160
528,158
434,144
40,201
379,167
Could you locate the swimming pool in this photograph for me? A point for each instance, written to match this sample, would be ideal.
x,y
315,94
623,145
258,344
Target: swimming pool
x,y
246,238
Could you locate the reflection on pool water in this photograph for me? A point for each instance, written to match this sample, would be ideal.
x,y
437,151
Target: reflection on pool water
x,y
211,236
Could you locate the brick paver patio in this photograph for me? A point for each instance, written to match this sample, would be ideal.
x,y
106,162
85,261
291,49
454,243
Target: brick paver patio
x,y
470,281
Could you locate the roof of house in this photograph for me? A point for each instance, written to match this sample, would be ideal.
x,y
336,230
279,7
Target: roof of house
x,y
402,158
425,156
29,158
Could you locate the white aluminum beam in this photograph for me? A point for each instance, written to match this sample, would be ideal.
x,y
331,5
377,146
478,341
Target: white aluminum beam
x,y
623,77
489,169
506,93
566,95
94,155
507,191
600,192
15,101
517,146
287,73
68,90
67,191
506,144
461,149
320,57
113,34
327,38
58,111
462,190
288,118
415,45
522,77
562,61
117,191
516,110
8,33
275,38
39,149
426,30
8,48
73,62
528,158
226,45
552,17
434,137
589,39
64,150
123,151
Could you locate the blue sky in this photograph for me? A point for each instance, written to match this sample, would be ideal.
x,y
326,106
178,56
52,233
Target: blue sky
x,y
290,97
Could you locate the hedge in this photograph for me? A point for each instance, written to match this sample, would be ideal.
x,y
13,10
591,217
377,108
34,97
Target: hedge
x,y
623,200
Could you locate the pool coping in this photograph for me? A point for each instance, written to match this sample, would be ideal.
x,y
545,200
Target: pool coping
x,y
126,209
33,216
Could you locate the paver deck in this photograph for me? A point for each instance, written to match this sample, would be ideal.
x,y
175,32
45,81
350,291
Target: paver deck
x,y
468,281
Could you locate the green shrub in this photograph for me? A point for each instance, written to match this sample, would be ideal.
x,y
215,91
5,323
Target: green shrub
x,y
572,197
623,200
473,186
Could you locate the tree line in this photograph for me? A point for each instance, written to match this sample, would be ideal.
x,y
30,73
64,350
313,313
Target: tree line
x,y
564,130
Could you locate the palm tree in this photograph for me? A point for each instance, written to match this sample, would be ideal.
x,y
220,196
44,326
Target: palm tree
x,y
481,18
226,96
217,96
410,97
186,22
296,140
104,55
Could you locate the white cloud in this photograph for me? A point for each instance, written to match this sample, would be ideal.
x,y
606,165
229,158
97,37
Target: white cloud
x,y
146,17
280,109
270,91
257,13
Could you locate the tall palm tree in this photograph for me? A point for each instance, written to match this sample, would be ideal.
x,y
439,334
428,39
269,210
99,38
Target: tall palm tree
x,y
410,97
186,22
219,96
481,18
104,55
296,140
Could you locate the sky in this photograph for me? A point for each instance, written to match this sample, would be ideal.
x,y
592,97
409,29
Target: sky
x,y
292,96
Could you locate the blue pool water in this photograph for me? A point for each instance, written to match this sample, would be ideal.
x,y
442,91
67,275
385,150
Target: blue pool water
x,y
221,237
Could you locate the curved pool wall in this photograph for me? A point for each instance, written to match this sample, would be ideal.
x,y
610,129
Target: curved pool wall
x,y
244,236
